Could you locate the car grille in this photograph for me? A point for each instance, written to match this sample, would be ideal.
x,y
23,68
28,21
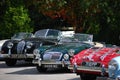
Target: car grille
x,y
52,56
20,47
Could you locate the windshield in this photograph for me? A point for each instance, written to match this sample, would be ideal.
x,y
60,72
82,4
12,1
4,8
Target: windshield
x,y
77,38
22,35
83,37
47,33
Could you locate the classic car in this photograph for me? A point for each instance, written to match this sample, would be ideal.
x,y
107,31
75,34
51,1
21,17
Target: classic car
x,y
23,49
58,56
97,63
15,38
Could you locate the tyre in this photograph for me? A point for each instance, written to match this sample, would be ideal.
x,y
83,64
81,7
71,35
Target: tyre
x,y
10,62
87,77
41,69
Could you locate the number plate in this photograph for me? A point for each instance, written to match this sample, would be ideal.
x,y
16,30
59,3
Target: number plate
x,y
51,66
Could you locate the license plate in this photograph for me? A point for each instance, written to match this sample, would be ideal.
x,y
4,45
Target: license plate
x,y
18,56
51,66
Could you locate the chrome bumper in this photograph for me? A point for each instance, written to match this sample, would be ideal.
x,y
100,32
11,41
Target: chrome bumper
x,y
84,68
91,69
4,55
40,62
17,56
55,62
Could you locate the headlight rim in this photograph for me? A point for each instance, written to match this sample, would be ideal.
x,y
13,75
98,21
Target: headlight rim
x,y
71,52
29,45
10,45
66,56
36,53
113,64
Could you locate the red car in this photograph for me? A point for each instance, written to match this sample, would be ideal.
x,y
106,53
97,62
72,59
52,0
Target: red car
x,y
101,63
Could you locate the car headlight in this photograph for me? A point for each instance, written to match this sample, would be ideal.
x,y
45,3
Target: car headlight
x,y
71,52
10,45
36,51
112,67
66,56
29,45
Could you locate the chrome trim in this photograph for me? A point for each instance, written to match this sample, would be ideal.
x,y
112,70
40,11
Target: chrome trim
x,y
40,62
92,69
9,51
4,55
20,47
51,54
55,62
9,56
37,61
29,56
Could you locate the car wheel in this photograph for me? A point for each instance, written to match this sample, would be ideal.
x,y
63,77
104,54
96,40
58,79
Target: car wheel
x,y
10,62
66,69
87,77
41,69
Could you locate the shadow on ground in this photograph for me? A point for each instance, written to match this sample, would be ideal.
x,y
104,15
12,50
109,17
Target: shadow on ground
x,y
19,64
33,71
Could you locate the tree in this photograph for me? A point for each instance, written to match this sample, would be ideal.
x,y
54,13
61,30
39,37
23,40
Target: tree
x,y
16,19
47,13
97,17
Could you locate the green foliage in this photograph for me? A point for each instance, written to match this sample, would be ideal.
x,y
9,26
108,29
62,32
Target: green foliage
x,y
98,17
16,19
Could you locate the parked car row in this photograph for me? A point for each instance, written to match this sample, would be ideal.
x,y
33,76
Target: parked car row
x,y
22,49
57,56
50,48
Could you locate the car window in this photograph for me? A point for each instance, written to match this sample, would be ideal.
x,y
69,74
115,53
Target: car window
x,y
40,33
52,33
83,37
22,35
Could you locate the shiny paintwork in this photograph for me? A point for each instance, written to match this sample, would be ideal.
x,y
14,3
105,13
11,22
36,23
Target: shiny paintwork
x,y
95,61
57,56
23,49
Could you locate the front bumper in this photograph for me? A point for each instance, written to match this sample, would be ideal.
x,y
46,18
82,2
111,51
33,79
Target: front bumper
x,y
86,69
50,63
17,56
92,70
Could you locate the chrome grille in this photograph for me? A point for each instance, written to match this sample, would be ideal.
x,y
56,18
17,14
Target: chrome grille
x,y
52,56
20,47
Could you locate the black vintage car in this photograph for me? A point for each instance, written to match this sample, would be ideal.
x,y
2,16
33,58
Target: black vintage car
x,y
23,49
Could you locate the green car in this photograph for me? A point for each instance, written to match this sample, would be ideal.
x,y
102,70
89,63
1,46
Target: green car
x,y
57,56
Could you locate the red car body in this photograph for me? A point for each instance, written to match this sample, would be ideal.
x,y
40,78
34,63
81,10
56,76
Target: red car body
x,y
93,61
